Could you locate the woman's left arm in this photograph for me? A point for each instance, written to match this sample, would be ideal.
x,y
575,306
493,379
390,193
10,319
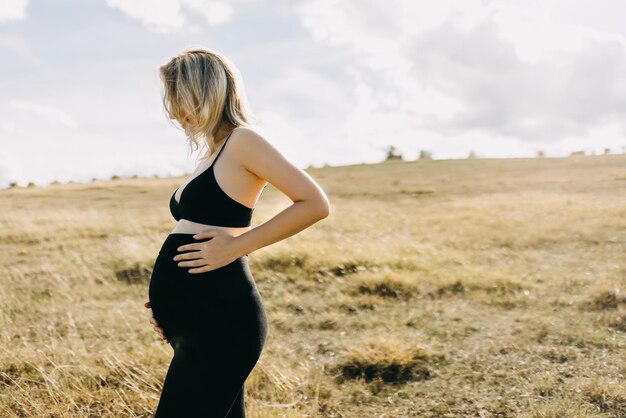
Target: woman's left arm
x,y
260,158
310,203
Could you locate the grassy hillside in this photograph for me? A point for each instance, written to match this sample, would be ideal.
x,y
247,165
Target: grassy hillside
x,y
478,288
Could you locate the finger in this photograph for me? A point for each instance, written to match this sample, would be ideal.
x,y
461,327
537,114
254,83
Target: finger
x,y
188,255
190,247
193,263
202,269
209,233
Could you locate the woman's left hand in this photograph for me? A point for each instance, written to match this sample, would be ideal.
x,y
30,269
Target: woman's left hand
x,y
209,255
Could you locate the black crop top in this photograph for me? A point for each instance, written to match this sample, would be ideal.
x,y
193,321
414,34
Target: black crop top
x,y
203,201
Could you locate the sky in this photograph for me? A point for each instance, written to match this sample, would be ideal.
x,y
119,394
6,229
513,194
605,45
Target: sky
x,y
328,81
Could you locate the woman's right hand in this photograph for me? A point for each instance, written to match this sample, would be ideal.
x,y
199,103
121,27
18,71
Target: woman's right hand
x,y
154,322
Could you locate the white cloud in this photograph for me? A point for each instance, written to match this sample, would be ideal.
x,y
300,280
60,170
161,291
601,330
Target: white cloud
x,y
536,34
156,15
13,10
21,48
492,70
51,113
215,12
165,16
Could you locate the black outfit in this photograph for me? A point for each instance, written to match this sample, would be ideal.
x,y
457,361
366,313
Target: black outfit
x,y
215,320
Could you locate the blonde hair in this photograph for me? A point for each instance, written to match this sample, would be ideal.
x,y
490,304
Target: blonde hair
x,y
201,92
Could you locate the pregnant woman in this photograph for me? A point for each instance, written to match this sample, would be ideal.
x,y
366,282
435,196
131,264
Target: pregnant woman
x,y
202,294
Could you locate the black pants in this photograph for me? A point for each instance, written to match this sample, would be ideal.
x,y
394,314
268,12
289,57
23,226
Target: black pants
x,y
217,326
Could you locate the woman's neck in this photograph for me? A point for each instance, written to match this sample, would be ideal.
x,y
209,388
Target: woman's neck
x,y
223,132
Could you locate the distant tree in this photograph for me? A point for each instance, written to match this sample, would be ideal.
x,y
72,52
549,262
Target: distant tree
x,y
156,176
93,179
13,184
393,154
576,153
540,154
134,176
607,150
31,184
472,154
115,177
425,155
55,182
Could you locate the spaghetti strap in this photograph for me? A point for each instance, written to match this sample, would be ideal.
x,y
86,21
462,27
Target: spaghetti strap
x,y
221,149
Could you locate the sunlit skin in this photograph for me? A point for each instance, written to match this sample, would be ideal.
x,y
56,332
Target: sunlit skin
x,y
251,163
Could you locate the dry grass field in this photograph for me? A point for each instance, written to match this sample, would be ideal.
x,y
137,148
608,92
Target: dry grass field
x,y
436,288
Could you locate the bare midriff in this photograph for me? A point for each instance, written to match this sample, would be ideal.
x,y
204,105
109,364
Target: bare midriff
x,y
184,226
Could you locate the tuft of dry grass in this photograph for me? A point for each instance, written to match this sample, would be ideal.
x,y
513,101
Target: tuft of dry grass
x,y
389,359
606,299
129,270
607,397
386,285
618,323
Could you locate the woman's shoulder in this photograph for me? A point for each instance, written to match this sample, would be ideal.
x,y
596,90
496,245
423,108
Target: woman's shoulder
x,y
252,148
245,131
248,137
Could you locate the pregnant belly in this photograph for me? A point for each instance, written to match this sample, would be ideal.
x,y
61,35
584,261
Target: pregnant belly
x,y
189,303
